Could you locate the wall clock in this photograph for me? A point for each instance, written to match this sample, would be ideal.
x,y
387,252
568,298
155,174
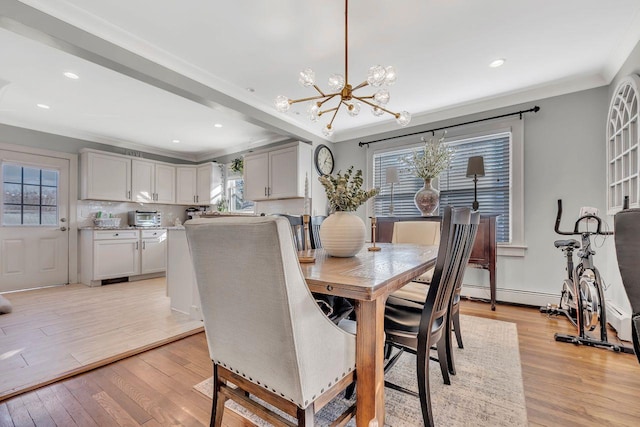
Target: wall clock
x,y
323,160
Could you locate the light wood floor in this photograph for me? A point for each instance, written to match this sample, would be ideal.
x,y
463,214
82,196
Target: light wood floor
x,y
565,385
56,332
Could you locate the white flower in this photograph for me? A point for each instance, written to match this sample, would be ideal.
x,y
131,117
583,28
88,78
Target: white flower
x,y
429,162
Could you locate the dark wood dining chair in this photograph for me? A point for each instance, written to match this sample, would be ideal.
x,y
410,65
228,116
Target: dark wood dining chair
x,y
314,231
415,328
627,239
271,341
297,230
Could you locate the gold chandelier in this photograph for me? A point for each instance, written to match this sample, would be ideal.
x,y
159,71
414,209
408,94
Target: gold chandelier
x,y
344,92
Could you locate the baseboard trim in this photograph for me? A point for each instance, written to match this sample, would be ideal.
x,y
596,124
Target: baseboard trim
x,y
515,296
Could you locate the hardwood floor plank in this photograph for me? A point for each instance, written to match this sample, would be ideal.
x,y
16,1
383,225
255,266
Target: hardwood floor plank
x,y
82,388
107,382
54,408
5,416
73,407
19,413
119,414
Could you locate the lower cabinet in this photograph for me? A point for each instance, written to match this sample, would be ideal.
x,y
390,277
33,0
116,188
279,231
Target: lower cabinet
x,y
111,254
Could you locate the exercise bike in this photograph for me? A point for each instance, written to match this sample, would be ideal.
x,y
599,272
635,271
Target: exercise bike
x,y
582,299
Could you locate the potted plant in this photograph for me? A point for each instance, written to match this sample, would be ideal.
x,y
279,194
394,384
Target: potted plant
x,y
343,233
237,165
427,163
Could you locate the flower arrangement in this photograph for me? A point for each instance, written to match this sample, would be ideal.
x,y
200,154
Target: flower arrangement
x,y
429,162
345,192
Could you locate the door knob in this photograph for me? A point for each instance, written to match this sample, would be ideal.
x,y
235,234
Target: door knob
x,y
63,228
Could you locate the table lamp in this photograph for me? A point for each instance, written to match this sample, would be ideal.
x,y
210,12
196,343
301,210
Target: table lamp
x,y
392,178
475,168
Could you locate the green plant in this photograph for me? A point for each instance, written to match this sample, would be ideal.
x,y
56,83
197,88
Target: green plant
x,y
345,192
431,160
237,165
221,206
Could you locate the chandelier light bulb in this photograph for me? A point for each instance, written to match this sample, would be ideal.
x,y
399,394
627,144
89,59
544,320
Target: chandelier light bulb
x,y
336,82
390,75
376,75
353,109
327,131
377,111
381,96
307,77
282,103
403,119
313,112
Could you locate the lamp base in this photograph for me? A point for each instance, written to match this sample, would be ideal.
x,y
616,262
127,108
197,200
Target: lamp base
x,y
475,205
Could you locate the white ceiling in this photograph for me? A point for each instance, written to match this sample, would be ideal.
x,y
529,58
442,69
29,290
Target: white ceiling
x,y
215,51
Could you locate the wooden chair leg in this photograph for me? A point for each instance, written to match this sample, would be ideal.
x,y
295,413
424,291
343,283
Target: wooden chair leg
x,y
456,327
422,368
449,344
443,357
348,392
306,416
218,400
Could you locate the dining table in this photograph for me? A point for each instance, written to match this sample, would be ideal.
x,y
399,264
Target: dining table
x,y
368,278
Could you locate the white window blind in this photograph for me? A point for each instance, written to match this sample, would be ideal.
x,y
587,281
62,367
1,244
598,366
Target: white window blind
x,y
494,189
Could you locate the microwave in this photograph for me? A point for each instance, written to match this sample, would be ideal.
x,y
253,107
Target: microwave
x,y
144,218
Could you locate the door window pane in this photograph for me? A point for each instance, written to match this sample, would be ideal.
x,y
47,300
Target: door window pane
x,y
29,195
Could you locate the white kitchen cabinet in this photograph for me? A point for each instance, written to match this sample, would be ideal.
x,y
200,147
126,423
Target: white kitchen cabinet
x,y
105,176
152,182
117,253
199,185
153,252
279,173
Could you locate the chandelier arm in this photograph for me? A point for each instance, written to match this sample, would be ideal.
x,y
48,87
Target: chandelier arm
x,y
329,97
361,85
396,115
327,111
311,98
335,113
319,91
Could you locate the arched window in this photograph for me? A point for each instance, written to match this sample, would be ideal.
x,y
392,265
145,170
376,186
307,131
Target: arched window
x,y
622,146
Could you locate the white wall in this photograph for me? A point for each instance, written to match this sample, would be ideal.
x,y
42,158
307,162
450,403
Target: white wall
x,y
564,158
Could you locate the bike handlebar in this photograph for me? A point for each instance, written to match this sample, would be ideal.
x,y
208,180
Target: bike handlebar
x,y
575,231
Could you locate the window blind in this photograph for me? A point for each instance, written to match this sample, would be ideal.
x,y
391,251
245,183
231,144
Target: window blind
x,y
494,188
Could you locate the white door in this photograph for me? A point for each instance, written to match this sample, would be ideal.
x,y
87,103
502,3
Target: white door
x,y
256,176
165,180
34,236
186,185
142,181
283,173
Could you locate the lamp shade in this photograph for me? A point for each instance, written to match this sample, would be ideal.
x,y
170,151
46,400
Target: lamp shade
x,y
392,175
475,167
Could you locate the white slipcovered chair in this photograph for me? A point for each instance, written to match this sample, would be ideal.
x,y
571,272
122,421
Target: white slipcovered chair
x,y
264,330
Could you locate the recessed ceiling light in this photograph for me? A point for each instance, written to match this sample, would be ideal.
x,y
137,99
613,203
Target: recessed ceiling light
x,y
217,125
43,106
176,141
72,76
497,63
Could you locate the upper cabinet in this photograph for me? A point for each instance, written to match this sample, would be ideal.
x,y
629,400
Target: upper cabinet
x,y
105,176
279,173
153,182
199,185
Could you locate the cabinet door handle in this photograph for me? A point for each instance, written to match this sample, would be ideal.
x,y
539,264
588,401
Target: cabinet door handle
x,y
129,194
144,245
194,199
137,246
265,191
198,198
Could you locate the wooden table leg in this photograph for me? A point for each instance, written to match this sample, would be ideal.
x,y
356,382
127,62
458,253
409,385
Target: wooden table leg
x,y
370,362
492,286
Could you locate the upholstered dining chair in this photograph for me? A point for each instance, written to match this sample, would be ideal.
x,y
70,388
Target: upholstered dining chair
x,y
418,232
267,337
314,231
413,327
627,239
297,230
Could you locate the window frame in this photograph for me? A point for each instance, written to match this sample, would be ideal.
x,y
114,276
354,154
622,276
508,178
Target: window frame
x,y
515,126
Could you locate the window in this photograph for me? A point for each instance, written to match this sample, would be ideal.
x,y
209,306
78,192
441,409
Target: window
x,y
29,195
623,140
499,191
235,192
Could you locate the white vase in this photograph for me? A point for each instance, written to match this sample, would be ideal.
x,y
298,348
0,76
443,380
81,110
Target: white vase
x,y
427,199
342,234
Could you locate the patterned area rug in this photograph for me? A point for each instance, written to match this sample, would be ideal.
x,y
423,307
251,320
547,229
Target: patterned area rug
x,y
486,391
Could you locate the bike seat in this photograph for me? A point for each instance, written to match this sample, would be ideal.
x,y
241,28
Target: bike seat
x,y
571,243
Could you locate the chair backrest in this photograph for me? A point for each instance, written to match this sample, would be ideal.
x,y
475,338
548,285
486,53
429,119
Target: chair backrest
x,y
419,232
259,316
474,222
454,233
627,239
297,230
314,231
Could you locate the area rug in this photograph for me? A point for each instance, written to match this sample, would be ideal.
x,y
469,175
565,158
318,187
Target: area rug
x,y
486,391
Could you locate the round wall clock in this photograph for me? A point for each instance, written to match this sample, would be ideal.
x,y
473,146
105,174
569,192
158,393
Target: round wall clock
x,y
323,160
